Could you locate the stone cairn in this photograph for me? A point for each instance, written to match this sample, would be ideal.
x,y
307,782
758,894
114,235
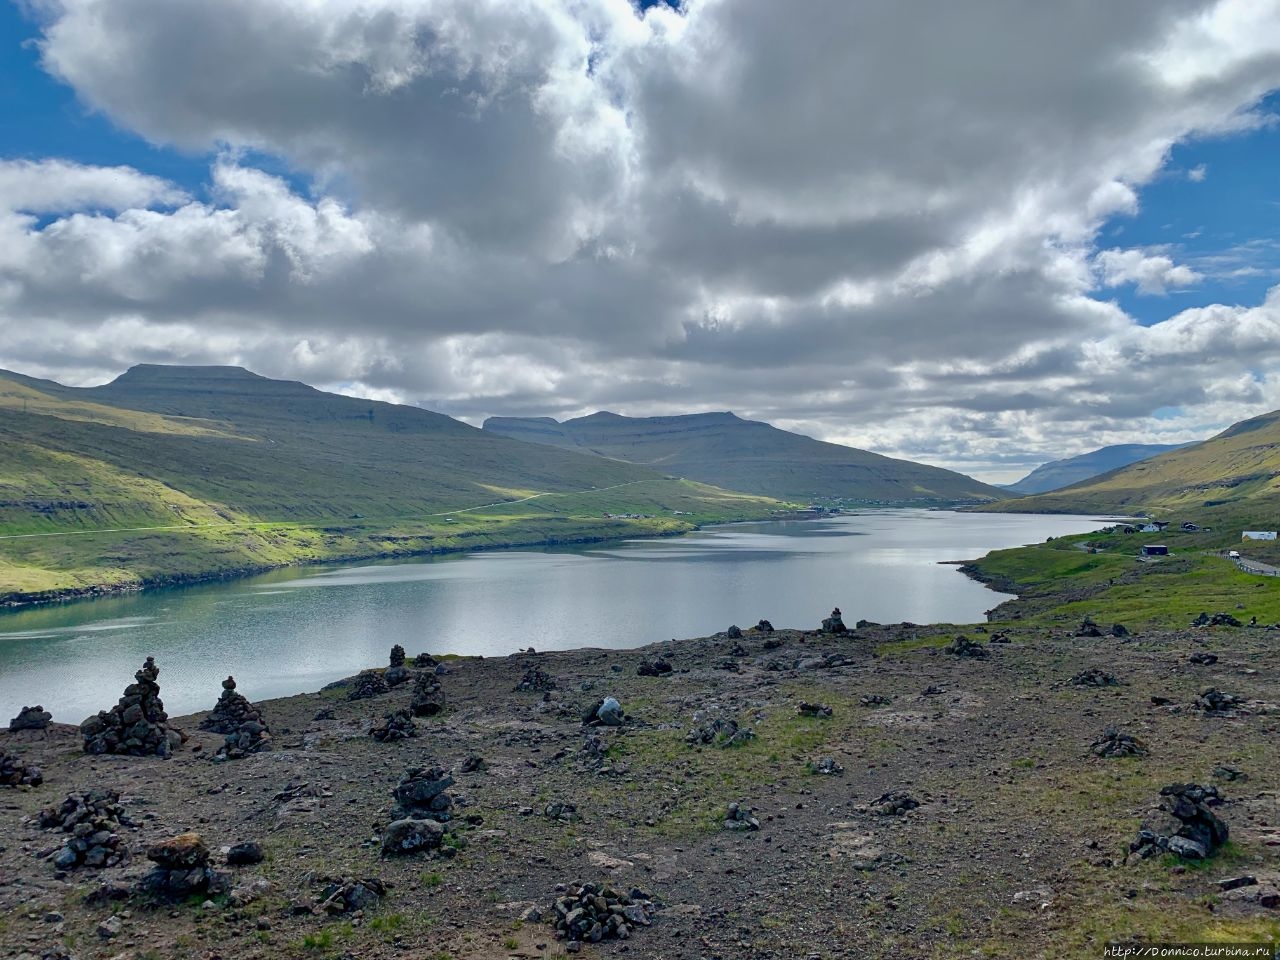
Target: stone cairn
x,y
181,869
895,803
1214,702
397,673
654,668
31,718
535,680
240,721
834,623
349,894
1202,659
137,725
825,766
16,772
962,646
734,632
92,819
422,806
425,661
428,696
1200,832
1217,620
592,912
764,626
398,726
806,709
1093,677
1113,743
368,684
721,732
739,816
605,712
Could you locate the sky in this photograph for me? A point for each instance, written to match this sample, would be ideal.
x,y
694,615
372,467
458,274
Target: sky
x,y
980,235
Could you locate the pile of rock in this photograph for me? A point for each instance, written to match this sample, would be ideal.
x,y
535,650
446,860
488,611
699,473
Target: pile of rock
x,y
807,709
368,684
893,804
242,723
1201,659
739,816
181,869
764,626
1214,702
347,894
825,766
1229,773
1119,631
1217,620
421,807
1113,743
1088,628
473,763
137,725
827,661
734,632
428,696
834,623
396,673
561,811
398,726
721,733
654,668
605,712
425,661
876,700
535,680
591,912
999,637
16,772
31,718
93,819
1200,832
1093,677
962,646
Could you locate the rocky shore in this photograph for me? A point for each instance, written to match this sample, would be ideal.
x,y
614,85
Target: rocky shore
x,y
873,791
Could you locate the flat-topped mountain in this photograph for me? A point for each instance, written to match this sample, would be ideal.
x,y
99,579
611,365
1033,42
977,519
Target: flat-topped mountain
x,y
1057,474
193,470
725,450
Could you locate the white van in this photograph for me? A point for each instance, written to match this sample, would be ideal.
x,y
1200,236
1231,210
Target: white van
x,y
1233,554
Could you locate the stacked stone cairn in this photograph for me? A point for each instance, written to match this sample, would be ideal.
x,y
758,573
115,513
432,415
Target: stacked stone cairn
x,y
425,661
1200,832
1093,677
93,819
535,680
834,623
239,721
31,718
1113,743
807,709
397,673
654,668
1202,659
591,912
826,767
428,696
721,732
421,808
16,772
895,803
137,725
368,684
739,816
398,726
349,894
1214,702
181,869
962,646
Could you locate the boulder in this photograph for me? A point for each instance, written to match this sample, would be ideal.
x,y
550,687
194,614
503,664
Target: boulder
x,y
411,835
605,712
31,718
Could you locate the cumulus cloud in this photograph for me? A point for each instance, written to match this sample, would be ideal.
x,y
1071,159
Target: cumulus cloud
x,y
872,223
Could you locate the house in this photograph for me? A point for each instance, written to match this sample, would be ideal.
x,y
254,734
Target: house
x,y
1258,535
1155,550
1154,526
1189,527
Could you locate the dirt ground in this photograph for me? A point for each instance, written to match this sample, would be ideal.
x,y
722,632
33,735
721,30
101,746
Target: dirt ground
x,y
1016,849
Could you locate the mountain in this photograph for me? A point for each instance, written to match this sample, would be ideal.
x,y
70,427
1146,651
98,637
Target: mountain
x,y
185,471
723,450
1063,473
1237,471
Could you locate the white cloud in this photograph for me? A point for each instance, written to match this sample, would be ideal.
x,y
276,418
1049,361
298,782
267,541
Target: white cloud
x,y
875,222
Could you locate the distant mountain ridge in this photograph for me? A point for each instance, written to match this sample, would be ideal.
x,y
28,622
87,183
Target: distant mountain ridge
x,y
750,456
1063,473
1237,470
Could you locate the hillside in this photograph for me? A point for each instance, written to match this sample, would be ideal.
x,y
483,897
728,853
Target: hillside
x,y
1236,473
179,472
1063,473
724,450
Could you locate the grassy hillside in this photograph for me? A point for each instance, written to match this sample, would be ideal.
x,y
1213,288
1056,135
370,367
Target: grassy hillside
x,y
1057,474
726,451
181,472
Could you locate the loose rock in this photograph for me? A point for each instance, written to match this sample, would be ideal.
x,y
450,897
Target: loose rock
x,y
347,894
1093,677
806,709
894,804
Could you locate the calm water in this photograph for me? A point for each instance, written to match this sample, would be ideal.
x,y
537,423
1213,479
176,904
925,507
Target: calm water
x,y
294,630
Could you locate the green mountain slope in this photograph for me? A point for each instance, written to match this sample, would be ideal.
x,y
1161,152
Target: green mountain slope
x,y
181,472
1057,474
724,450
1238,471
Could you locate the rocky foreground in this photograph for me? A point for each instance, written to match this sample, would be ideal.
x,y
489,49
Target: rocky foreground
x,y
891,791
